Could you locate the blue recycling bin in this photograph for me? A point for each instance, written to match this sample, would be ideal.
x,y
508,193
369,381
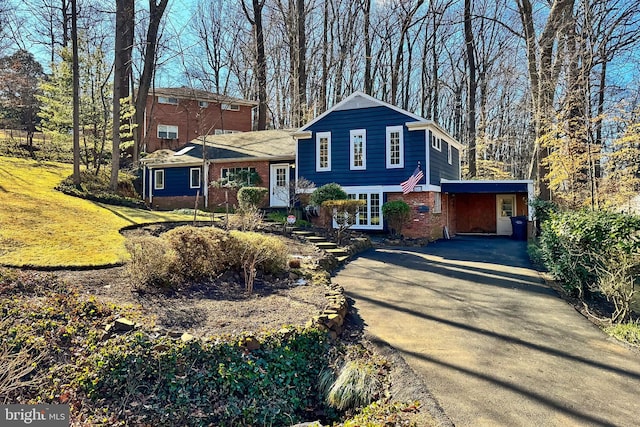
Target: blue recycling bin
x,y
519,227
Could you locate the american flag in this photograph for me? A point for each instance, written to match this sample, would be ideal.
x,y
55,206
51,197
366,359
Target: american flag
x,y
409,184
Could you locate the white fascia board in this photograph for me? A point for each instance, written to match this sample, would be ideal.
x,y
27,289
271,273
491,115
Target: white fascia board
x,y
436,128
489,181
348,99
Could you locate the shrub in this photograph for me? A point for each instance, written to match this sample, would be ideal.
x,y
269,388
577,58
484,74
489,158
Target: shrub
x,y
344,213
247,219
200,251
253,251
592,250
151,261
251,197
97,188
330,191
397,213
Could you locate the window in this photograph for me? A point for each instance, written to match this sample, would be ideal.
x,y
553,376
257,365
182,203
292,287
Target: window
x,y
224,131
358,149
194,178
167,132
203,104
369,215
395,147
449,154
437,203
323,151
436,142
230,107
158,179
167,100
247,175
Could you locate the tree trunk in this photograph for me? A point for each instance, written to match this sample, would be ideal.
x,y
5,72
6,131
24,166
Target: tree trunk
x,y
156,12
302,61
125,11
76,94
368,81
471,91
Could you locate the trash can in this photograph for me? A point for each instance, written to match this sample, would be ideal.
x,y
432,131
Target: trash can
x,y
519,227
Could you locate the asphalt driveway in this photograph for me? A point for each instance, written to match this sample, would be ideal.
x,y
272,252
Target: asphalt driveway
x,y
494,344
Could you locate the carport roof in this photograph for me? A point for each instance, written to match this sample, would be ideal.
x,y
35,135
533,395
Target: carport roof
x,y
498,186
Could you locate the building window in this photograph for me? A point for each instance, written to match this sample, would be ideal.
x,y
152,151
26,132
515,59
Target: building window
x,y
167,100
167,132
395,147
158,179
203,104
230,107
224,131
323,151
248,176
369,215
436,142
437,203
358,149
449,154
194,177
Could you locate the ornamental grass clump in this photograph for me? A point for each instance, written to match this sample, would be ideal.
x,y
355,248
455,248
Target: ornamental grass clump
x,y
358,384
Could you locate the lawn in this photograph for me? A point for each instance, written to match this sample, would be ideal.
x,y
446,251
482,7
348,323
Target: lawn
x,y
42,227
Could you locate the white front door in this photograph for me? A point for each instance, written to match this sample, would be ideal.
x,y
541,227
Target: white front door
x,y
505,209
279,186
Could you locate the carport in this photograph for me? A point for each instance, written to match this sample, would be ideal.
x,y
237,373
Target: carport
x,y
486,207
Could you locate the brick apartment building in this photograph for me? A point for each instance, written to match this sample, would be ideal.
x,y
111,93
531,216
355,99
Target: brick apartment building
x,y
175,116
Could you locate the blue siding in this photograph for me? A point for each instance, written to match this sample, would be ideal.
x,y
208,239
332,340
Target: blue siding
x,y
176,182
375,120
439,166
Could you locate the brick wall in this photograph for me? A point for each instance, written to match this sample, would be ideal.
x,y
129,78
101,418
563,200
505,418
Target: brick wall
x,y
176,202
217,195
192,121
423,222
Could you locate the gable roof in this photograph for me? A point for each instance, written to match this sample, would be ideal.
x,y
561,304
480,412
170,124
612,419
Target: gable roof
x,y
360,99
234,147
198,95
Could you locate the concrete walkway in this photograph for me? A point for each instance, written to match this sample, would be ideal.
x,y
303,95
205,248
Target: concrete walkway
x,y
493,343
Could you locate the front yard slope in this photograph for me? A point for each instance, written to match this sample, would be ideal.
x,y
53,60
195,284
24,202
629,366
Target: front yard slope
x,y
42,227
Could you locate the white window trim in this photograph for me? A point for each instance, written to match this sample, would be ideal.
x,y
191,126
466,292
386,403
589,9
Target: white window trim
x,y
156,173
319,136
379,190
449,154
191,176
436,143
391,129
353,133
167,127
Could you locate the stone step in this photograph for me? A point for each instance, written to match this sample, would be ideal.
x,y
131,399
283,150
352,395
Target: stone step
x,y
337,252
303,233
342,258
326,245
314,239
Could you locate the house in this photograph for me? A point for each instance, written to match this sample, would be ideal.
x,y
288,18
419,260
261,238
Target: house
x,y
370,147
175,116
175,179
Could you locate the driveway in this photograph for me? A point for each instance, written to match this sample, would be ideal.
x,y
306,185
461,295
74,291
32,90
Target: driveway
x,y
494,344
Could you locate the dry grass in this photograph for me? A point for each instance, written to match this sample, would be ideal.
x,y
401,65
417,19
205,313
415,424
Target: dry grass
x,y
42,227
